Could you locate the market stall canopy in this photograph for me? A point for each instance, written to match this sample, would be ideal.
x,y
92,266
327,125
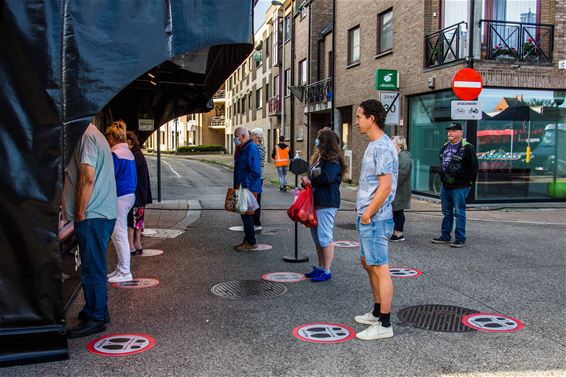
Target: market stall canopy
x,y
62,62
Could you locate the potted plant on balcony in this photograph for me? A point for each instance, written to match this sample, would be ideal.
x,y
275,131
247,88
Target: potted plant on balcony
x,y
531,52
435,55
501,52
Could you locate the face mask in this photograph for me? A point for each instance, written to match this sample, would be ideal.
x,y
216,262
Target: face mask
x,y
236,141
316,142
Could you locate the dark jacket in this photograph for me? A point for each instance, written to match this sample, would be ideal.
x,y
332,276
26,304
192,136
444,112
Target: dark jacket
x,y
281,145
143,187
403,194
247,167
462,170
326,185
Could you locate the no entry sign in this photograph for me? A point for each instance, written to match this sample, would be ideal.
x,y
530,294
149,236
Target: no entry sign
x,y
467,84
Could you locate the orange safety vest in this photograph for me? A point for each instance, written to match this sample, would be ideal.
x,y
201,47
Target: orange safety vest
x,y
281,156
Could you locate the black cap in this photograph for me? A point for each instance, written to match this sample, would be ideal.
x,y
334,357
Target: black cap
x,y
454,126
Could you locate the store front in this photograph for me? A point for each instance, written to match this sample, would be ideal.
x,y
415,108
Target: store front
x,y
520,143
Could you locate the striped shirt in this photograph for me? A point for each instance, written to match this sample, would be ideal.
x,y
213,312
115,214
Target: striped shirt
x,y
262,154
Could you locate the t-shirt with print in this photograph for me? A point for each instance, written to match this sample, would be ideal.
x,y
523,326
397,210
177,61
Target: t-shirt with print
x,y
448,153
380,158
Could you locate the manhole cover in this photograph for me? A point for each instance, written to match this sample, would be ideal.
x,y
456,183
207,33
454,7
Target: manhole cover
x,y
248,289
443,318
347,226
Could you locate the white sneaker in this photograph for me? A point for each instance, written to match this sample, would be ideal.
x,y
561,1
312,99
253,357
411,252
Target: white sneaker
x,y
375,331
119,277
113,273
366,319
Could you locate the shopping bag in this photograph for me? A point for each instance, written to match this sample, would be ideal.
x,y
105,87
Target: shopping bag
x,y
302,210
252,202
230,201
242,200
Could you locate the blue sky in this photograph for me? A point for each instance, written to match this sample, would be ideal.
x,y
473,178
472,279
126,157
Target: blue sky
x,y
259,13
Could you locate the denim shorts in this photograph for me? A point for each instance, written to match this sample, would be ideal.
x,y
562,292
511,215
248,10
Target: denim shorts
x,y
374,240
323,234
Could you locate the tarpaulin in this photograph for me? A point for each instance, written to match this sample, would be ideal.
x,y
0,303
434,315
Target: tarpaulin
x,y
62,62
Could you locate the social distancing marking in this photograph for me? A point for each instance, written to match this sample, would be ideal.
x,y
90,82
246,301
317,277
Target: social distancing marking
x,y
149,232
404,272
346,244
150,253
136,283
263,246
238,228
121,344
492,322
284,277
324,332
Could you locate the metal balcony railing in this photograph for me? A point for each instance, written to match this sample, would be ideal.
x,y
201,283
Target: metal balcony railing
x,y
274,105
446,45
319,92
219,95
518,41
217,122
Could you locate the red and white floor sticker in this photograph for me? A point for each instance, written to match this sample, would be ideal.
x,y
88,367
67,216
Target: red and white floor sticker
x,y
323,332
346,244
492,322
150,253
263,246
237,228
136,283
404,272
121,344
284,277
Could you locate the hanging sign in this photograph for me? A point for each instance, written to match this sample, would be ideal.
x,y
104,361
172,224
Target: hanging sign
x,y
146,125
386,79
465,110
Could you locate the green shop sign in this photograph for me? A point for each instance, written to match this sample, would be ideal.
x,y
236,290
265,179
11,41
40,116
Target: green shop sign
x,y
386,79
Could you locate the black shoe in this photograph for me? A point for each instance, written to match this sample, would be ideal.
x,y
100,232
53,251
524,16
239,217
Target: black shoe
x,y
439,240
458,243
82,317
395,238
86,328
136,252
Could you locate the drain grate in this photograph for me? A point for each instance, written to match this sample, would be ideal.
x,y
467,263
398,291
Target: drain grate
x,y
248,289
442,318
347,226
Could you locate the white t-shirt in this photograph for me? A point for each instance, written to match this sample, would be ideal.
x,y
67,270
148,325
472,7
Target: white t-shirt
x,y
380,158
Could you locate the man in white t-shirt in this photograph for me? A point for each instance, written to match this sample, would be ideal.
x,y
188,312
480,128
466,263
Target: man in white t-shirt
x,y
378,183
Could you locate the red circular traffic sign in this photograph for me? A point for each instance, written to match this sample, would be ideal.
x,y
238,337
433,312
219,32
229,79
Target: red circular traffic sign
x,y
467,84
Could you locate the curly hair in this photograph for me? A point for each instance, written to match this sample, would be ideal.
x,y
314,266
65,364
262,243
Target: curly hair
x,y
329,148
374,107
117,131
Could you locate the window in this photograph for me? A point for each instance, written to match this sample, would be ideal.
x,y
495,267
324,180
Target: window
x,y
303,11
243,105
244,69
354,45
258,99
385,31
276,86
330,64
303,72
287,82
249,101
287,27
266,93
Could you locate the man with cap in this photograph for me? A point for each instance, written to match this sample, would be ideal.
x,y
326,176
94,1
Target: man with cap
x,y
458,172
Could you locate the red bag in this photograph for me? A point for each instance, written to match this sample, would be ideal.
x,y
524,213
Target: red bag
x,y
302,210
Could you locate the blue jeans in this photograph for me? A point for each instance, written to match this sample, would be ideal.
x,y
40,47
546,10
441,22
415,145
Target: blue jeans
x,y
282,172
454,205
249,230
92,237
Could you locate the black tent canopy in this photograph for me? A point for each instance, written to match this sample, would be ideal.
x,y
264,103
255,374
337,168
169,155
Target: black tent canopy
x,y
61,63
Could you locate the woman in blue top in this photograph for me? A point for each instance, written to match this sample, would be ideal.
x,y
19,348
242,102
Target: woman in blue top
x,y
126,181
325,176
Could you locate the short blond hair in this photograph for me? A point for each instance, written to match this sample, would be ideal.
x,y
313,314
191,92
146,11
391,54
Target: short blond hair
x,y
117,131
400,141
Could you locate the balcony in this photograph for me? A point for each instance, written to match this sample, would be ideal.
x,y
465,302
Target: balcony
x,y
446,46
274,106
217,122
318,96
518,41
219,96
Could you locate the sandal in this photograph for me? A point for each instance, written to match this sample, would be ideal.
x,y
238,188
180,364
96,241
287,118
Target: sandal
x,y
136,252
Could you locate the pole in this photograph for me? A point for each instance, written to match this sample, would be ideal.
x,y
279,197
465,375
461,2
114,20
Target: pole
x,y
292,99
282,90
334,31
296,258
159,164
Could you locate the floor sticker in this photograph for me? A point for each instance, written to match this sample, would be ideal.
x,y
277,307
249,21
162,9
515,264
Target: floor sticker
x,y
162,233
238,228
323,332
343,243
121,344
150,253
404,272
284,277
263,246
492,322
136,283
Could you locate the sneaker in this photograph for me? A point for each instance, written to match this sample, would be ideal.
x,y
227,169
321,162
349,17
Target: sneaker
x,y
375,331
439,240
247,247
315,272
235,247
120,277
322,277
395,238
458,243
257,227
366,319
112,274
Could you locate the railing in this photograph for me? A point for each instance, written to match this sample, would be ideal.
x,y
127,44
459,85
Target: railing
x,y
274,105
220,94
518,41
217,122
446,45
319,92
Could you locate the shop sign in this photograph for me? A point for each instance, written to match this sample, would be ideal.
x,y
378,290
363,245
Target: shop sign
x,y
391,104
465,110
145,125
386,79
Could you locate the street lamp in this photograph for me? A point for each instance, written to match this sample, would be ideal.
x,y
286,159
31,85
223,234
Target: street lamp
x,y
282,73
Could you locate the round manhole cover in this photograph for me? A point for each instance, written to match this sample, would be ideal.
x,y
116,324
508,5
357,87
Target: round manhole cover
x,y
442,318
248,289
347,226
